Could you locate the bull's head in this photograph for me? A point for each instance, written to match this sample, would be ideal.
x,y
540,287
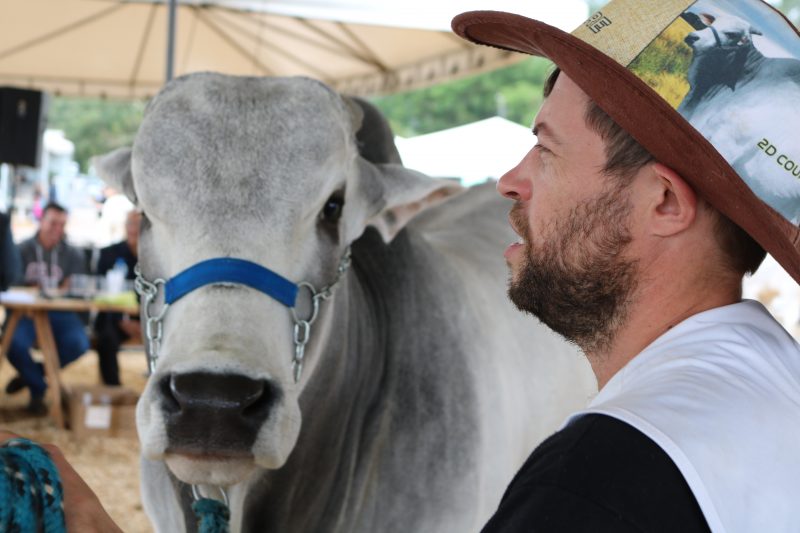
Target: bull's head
x,y
724,31
270,171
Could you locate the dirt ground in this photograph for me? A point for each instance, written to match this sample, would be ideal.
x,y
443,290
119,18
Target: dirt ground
x,y
109,465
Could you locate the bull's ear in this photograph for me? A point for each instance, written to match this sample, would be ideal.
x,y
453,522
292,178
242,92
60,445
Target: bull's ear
x,y
694,20
395,194
387,194
707,19
114,168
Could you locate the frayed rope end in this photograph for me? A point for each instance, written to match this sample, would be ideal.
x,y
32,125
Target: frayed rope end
x,y
212,516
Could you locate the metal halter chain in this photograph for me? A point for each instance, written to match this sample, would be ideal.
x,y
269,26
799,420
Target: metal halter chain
x,y
153,329
234,271
302,328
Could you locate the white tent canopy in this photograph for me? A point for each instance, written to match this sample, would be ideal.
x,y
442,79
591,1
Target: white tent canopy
x,y
118,48
473,152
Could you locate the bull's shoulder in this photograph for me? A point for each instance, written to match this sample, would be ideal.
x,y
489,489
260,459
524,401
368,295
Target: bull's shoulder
x,y
783,68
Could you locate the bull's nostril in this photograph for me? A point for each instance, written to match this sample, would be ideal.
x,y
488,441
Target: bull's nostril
x,y
217,392
206,411
691,39
260,405
168,400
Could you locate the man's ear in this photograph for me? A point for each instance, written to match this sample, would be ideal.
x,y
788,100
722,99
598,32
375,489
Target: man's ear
x,y
672,203
114,168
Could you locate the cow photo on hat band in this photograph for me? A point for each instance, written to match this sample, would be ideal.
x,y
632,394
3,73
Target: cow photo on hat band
x,y
732,70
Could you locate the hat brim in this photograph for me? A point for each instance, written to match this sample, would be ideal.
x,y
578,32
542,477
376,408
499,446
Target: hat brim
x,y
647,117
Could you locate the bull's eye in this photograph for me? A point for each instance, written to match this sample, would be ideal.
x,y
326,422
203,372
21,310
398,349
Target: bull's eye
x,y
332,211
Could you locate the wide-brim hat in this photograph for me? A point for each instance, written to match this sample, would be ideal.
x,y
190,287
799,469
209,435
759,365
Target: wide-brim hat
x,y
711,88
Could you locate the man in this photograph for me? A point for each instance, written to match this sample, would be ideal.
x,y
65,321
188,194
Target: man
x,y
113,328
48,262
633,247
626,252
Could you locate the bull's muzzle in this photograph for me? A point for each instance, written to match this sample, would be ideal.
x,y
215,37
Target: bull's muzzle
x,y
215,415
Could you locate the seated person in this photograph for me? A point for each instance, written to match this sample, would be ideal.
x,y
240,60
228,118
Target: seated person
x,y
48,262
111,329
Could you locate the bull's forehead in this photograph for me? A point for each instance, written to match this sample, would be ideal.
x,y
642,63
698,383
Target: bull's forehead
x,y
222,144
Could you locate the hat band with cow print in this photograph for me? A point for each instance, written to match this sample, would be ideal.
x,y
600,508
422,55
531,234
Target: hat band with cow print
x,y
711,88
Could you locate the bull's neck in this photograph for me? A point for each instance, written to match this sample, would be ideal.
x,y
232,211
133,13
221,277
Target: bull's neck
x,y
311,492
720,69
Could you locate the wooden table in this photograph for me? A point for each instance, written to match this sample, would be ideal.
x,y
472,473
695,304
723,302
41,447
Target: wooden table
x,y
37,310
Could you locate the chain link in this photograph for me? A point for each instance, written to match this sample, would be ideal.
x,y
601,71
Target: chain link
x,y
302,328
341,270
154,328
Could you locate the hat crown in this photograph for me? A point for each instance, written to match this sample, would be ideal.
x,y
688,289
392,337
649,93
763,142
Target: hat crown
x,y
623,28
731,68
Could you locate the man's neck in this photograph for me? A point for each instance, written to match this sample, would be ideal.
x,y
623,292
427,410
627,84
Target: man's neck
x,y
664,303
43,245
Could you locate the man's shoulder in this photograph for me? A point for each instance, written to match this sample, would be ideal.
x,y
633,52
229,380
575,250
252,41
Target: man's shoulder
x,y
591,444
606,471
69,248
113,249
27,247
30,242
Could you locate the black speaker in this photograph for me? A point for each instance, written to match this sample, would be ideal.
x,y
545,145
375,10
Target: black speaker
x,y
23,116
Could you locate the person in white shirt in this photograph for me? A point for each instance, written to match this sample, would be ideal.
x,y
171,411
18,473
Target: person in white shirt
x,y
638,216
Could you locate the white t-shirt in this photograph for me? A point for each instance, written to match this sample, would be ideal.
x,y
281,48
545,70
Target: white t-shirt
x,y
720,393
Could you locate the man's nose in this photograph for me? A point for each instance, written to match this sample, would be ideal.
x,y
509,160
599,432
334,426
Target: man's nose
x,y
514,184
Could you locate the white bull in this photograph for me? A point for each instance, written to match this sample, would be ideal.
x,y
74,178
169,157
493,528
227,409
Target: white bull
x,y
423,388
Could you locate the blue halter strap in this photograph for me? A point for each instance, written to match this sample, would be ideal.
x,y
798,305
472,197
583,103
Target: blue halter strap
x,y
228,270
716,36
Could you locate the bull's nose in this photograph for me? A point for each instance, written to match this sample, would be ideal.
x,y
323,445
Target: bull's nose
x,y
691,39
209,414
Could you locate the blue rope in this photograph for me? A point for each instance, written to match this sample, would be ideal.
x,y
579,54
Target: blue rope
x,y
212,516
31,496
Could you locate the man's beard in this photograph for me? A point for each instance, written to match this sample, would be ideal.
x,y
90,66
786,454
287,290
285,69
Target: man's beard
x,y
578,283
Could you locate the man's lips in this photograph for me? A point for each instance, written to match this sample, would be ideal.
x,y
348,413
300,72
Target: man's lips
x,y
517,223
513,249
513,219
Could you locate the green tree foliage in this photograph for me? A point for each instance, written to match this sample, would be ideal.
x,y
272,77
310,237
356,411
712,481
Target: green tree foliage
x,y
791,8
95,126
513,92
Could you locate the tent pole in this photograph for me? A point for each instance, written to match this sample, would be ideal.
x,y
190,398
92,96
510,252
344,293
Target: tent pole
x,y
171,40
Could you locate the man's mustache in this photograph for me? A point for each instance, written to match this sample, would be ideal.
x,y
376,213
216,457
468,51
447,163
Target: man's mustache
x,y
519,221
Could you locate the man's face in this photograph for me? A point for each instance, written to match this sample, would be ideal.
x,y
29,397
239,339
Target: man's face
x,y
570,269
51,230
